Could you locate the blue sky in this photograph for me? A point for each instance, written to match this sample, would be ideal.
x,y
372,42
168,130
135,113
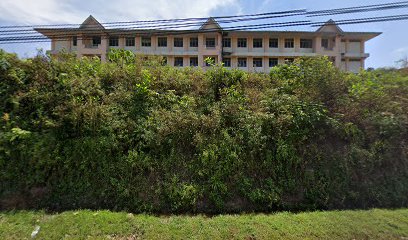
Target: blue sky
x,y
385,50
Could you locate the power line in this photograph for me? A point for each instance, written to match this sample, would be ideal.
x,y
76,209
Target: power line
x,y
376,7
159,31
241,28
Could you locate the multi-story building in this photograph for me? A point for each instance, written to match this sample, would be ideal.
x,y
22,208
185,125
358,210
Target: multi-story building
x,y
248,50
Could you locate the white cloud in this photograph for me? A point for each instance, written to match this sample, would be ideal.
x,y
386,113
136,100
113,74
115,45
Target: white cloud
x,y
36,12
401,50
75,11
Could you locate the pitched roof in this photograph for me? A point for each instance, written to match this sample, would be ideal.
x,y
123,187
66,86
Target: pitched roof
x,y
91,22
211,23
330,26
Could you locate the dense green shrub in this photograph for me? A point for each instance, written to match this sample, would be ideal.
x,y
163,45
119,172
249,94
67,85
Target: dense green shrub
x,y
135,135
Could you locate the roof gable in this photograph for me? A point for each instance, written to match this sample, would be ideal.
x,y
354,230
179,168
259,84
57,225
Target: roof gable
x,y
92,23
211,24
330,26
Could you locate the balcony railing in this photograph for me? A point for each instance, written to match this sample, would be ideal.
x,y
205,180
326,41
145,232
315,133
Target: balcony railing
x,y
91,45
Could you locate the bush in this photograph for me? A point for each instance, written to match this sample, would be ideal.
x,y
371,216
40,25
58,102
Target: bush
x,y
135,135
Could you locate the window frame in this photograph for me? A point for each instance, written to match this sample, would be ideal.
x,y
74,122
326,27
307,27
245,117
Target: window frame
x,y
257,60
74,41
113,42
162,42
193,42
273,59
175,61
242,43
242,60
257,43
196,62
272,40
97,40
226,42
178,42
289,43
130,40
146,42
325,43
210,40
226,60
306,43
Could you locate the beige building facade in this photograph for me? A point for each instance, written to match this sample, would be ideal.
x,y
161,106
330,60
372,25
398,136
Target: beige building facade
x,y
256,51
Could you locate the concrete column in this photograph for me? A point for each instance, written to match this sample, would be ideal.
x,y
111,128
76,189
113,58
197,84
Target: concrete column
x,y
265,64
201,50
297,43
104,48
281,41
347,68
318,45
250,64
265,40
362,46
250,43
186,44
347,45
170,60
219,48
154,43
234,61
170,43
121,42
186,60
338,43
233,44
80,46
138,43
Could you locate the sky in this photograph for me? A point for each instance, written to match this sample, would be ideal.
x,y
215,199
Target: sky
x,y
385,50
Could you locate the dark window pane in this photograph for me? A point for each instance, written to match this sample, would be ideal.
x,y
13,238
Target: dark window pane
x,y
257,43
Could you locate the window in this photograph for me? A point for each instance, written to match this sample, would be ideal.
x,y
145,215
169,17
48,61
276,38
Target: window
x,y
113,41
242,62
257,62
306,43
162,42
273,43
164,61
226,42
289,43
146,42
273,62
178,61
193,42
194,61
178,42
210,42
257,43
130,41
97,40
325,43
74,41
289,60
227,62
242,42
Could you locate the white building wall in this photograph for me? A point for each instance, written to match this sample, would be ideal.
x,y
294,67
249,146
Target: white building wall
x,y
60,45
354,47
354,66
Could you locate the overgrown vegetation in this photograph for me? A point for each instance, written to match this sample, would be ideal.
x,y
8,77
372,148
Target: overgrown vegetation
x,y
135,135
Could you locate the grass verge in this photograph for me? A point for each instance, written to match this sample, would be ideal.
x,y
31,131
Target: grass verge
x,y
84,224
